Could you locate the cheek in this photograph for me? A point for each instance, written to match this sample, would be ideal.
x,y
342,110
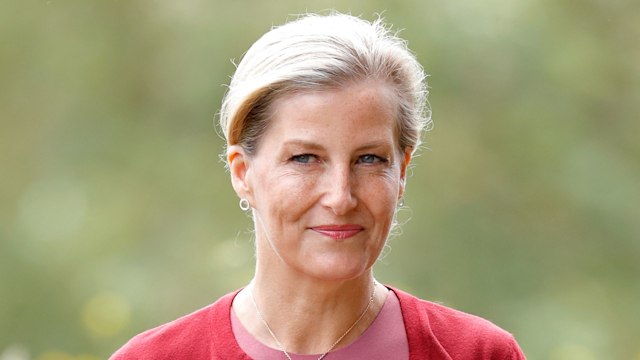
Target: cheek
x,y
381,197
286,196
383,186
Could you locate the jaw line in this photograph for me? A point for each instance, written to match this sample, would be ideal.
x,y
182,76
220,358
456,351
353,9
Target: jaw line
x,y
267,235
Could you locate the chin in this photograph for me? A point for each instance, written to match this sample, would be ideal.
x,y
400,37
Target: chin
x,y
332,270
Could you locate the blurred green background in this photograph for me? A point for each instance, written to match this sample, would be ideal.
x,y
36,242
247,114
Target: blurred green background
x,y
117,214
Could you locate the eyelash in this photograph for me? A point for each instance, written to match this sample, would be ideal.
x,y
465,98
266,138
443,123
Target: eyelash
x,y
297,158
374,159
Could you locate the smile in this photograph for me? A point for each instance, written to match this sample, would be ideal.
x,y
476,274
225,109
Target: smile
x,y
338,232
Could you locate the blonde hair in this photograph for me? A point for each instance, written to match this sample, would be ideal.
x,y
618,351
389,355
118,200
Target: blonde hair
x,y
318,52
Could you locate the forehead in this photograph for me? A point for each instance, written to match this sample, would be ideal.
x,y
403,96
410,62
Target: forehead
x,y
361,108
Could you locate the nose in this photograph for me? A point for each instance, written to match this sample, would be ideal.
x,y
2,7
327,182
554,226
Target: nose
x,y
339,194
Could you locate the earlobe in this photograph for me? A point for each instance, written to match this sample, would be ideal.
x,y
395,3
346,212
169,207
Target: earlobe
x,y
238,162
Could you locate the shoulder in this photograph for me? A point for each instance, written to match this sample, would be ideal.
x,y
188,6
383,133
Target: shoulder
x,y
189,337
439,329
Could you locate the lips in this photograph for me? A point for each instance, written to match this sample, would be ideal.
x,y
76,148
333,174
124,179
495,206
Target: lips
x,y
338,232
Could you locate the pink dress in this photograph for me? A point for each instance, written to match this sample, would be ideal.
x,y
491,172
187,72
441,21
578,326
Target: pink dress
x,y
385,338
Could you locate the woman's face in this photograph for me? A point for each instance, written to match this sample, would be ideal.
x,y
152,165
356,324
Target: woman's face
x,y
325,181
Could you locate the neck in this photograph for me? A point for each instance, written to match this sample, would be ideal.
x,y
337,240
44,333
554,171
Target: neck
x,y
308,315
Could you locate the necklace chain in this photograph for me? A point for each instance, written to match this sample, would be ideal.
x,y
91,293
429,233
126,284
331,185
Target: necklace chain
x,y
273,335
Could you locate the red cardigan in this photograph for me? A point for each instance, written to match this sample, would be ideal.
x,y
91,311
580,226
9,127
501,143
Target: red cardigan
x,y
434,332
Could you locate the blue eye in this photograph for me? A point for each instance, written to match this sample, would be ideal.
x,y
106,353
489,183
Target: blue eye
x,y
304,158
371,159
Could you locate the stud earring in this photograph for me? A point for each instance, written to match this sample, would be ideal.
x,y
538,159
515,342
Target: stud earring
x,y
401,202
244,204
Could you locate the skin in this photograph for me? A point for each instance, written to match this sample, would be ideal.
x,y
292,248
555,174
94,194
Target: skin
x,y
323,185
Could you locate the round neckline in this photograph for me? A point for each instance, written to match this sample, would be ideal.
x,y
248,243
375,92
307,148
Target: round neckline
x,y
250,345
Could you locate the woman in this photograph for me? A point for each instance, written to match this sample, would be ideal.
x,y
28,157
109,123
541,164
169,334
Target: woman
x,y
321,120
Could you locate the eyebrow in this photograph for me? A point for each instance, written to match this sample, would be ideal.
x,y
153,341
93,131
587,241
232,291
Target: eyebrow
x,y
315,146
303,143
375,144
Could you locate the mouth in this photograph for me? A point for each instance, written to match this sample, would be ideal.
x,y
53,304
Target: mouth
x,y
338,232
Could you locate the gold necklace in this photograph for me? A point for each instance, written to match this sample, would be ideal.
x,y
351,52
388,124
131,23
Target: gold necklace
x,y
273,335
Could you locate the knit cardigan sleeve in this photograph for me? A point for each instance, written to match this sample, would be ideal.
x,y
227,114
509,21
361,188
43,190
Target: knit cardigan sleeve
x,y
204,334
441,333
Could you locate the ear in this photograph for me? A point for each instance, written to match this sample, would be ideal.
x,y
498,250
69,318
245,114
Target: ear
x,y
239,167
404,165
